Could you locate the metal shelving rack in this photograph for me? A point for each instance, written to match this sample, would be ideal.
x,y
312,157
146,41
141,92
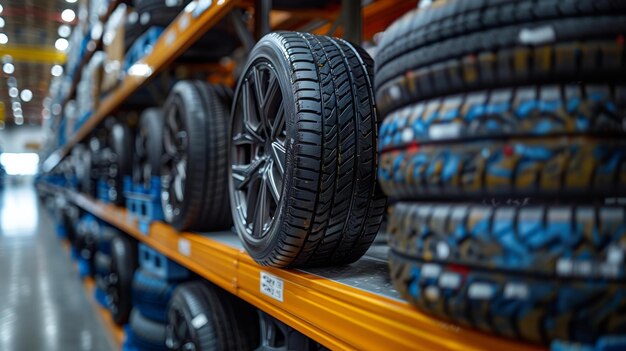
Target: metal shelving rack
x,y
350,307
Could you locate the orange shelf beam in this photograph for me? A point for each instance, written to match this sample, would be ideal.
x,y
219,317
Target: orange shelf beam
x,y
338,316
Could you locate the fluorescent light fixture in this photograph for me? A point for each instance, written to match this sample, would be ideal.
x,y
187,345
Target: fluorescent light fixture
x,y
20,164
3,38
68,15
13,92
8,68
56,70
26,95
64,31
61,44
70,1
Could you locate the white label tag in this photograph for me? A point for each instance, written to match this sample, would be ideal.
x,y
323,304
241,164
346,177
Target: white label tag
x,y
184,247
272,286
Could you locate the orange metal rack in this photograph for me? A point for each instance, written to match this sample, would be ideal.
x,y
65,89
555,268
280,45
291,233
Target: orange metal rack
x,y
338,315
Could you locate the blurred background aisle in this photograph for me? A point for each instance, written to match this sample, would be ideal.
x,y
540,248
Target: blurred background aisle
x,y
43,305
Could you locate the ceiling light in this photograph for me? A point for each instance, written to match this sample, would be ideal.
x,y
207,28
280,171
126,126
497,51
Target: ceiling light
x,y
68,15
13,92
64,31
16,105
26,95
70,1
1,8
57,70
61,44
1,22
19,120
3,38
8,68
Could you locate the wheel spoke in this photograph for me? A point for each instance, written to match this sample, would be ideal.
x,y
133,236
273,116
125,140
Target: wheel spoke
x,y
274,182
242,139
278,125
243,174
251,121
278,156
261,213
251,200
179,180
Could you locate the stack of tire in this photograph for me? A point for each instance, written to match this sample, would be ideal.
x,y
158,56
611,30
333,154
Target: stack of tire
x,y
115,265
86,244
503,150
151,294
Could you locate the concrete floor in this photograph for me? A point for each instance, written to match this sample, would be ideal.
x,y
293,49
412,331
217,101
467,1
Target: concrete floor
x,y
43,305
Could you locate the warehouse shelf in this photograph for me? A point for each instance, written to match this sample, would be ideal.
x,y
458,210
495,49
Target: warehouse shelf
x,y
186,29
179,36
349,307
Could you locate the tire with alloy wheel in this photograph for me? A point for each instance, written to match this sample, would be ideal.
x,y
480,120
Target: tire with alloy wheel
x,y
194,166
121,144
304,152
204,317
120,280
148,146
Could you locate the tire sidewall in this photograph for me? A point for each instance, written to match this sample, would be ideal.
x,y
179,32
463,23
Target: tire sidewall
x,y
268,49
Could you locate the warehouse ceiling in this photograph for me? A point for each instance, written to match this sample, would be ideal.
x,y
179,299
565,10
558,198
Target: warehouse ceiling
x,y
29,30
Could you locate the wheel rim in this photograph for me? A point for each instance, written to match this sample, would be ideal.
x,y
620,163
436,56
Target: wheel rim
x,y
178,333
174,164
258,150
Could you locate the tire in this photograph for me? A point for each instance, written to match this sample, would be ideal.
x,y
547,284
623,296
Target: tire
x,y
543,241
151,295
210,319
523,306
326,207
86,244
69,220
107,234
146,334
102,264
197,200
471,45
148,147
121,144
84,166
120,290
160,13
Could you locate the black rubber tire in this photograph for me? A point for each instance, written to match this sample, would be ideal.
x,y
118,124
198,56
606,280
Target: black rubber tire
x,y
541,168
123,266
150,295
460,45
84,168
161,13
543,142
543,241
107,234
330,205
102,268
203,117
86,244
148,147
228,323
121,144
523,306
147,334
69,220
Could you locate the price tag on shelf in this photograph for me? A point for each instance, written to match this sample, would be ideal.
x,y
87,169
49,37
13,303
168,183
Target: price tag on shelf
x,y
184,247
272,286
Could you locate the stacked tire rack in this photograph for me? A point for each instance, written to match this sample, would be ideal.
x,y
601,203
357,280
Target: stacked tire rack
x,y
355,306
